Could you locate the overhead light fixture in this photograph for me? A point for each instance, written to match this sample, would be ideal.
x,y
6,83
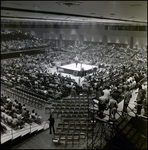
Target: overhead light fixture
x,y
135,5
36,6
112,14
68,3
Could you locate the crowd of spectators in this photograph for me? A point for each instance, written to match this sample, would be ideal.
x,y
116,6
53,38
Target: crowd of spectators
x,y
15,115
118,68
32,71
115,65
18,40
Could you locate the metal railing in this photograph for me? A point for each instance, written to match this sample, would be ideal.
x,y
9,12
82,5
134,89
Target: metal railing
x,y
11,134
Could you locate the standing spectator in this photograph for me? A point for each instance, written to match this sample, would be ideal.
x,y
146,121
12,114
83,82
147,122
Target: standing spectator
x,y
140,98
76,60
51,124
107,92
112,107
102,104
98,93
127,97
145,104
73,92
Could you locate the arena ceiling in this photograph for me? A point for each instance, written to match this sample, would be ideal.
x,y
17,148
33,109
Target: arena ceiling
x,y
83,12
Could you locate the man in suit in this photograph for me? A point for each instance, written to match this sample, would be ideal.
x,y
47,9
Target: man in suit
x,y
51,124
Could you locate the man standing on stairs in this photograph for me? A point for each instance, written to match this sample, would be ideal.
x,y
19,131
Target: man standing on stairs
x,y
140,98
127,97
113,105
145,105
102,105
51,124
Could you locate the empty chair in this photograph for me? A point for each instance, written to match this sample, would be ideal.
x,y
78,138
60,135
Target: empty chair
x,y
82,136
59,129
62,139
56,139
76,138
69,138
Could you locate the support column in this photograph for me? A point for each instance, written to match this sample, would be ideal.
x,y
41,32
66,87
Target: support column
x,y
60,41
131,42
81,38
104,40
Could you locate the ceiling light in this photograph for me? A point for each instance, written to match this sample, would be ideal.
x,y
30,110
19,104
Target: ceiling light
x,y
68,3
92,13
112,14
135,5
131,17
36,6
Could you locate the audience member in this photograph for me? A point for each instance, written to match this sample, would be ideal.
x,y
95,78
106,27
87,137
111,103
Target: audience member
x,y
140,98
127,97
51,124
112,108
102,104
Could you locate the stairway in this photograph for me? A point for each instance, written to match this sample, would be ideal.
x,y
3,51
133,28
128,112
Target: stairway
x,y
130,134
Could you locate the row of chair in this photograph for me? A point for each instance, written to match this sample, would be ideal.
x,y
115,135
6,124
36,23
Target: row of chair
x,y
71,107
75,120
75,125
79,98
66,138
29,91
68,101
73,113
24,98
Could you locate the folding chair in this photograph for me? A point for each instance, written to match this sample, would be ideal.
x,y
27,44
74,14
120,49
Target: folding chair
x,y
76,138
69,138
63,137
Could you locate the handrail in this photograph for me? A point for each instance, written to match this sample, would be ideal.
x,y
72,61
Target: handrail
x,y
137,116
30,128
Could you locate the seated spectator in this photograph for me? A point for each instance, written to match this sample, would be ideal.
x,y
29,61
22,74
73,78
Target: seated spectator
x,y
19,108
24,111
39,119
23,107
27,116
8,99
2,108
15,102
13,107
15,122
33,113
9,120
14,115
33,117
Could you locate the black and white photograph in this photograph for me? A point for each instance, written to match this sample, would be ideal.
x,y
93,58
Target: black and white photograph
x,y
74,74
